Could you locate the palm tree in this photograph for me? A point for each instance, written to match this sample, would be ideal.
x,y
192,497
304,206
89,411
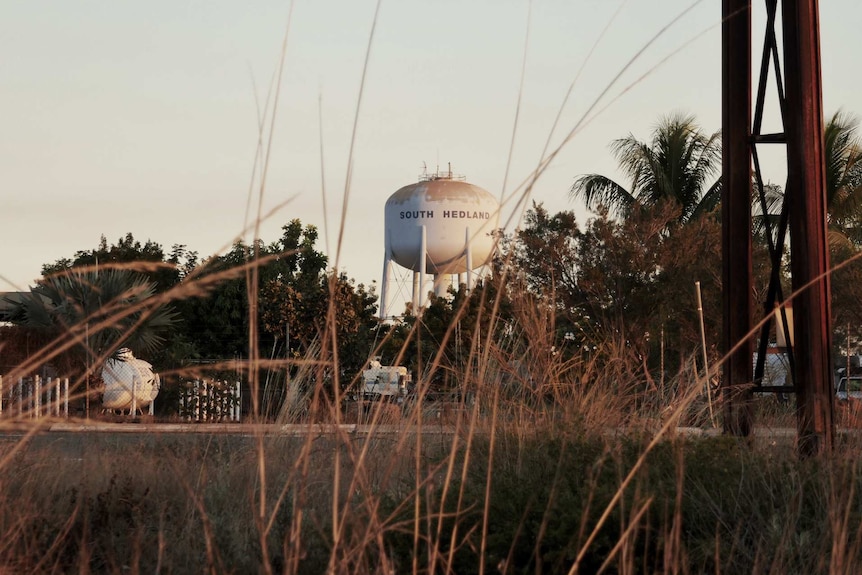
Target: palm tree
x,y
842,151
680,165
100,310
843,154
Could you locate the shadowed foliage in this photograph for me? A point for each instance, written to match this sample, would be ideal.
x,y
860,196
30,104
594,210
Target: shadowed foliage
x,y
680,165
103,310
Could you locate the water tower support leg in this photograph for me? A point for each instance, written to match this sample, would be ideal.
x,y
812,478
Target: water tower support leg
x,y
440,288
469,260
423,257
384,285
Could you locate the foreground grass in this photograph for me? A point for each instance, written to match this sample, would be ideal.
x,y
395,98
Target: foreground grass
x,y
175,504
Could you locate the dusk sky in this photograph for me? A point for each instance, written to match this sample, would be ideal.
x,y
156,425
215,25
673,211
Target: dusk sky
x,y
142,117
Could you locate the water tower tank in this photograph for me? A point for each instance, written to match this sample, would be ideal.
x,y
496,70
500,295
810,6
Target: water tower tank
x,y
441,225
129,383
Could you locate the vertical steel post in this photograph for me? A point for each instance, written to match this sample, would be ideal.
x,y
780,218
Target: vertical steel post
x,y
736,214
469,259
134,408
37,397
809,248
423,256
387,270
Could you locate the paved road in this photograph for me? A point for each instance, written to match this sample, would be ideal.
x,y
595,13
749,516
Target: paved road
x,y
73,438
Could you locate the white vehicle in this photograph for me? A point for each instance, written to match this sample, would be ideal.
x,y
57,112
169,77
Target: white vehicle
x,y
385,382
853,390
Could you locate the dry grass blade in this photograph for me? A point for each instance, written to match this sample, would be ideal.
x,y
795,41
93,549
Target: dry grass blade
x,y
633,524
457,477
659,436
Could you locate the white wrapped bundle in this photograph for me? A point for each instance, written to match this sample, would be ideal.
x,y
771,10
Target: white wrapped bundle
x,y
125,378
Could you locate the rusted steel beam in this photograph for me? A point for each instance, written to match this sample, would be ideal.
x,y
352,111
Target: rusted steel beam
x,y
806,194
736,214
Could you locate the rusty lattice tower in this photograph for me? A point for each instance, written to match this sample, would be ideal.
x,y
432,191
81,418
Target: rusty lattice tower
x,y
794,64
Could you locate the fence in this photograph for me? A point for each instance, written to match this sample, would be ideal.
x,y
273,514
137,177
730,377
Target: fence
x,y
34,397
211,401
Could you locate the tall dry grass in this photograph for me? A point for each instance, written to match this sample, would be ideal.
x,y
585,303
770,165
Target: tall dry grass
x,y
580,469
551,463
504,495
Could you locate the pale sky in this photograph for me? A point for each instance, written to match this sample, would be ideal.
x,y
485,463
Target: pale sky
x,y
141,117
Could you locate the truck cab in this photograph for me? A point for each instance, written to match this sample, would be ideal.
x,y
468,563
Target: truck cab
x,y
849,388
385,382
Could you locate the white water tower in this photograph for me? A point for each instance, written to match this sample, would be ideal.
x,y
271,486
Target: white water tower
x,y
442,226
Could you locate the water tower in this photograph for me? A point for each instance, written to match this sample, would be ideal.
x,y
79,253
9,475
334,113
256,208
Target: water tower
x,y
440,226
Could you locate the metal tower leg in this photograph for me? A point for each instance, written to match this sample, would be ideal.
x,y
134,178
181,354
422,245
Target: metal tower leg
x,y
804,213
736,214
809,248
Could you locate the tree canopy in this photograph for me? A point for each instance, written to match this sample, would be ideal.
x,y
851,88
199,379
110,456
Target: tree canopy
x,y
168,271
680,165
94,313
210,313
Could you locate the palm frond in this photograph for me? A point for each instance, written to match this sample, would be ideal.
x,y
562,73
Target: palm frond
x,y
709,202
599,191
843,151
677,165
767,220
116,300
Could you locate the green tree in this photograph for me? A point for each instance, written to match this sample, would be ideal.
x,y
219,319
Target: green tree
x,y
96,313
443,345
619,268
214,300
302,315
216,320
147,259
636,277
622,286
544,250
843,153
150,261
679,166
354,309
